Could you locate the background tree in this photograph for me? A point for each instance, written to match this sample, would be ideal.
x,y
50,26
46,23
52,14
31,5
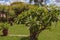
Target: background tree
x,y
19,7
37,2
3,12
11,16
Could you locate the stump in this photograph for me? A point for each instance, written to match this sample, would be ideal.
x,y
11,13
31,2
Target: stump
x,y
5,32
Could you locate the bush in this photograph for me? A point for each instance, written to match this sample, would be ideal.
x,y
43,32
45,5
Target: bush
x,y
4,27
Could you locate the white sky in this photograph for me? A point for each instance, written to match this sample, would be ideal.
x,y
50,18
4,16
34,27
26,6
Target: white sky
x,y
51,1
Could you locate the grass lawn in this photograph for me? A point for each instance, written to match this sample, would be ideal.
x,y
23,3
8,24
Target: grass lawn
x,y
13,38
18,29
52,34
10,38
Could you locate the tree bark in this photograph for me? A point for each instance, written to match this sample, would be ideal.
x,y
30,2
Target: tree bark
x,y
33,34
5,32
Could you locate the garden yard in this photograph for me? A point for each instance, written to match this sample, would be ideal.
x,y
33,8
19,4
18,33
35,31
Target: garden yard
x,y
21,21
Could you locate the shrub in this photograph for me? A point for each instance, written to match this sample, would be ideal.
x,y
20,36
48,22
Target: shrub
x,y
4,27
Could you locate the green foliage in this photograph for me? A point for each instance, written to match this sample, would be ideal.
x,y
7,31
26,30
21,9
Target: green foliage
x,y
19,7
38,19
11,13
4,25
40,14
3,8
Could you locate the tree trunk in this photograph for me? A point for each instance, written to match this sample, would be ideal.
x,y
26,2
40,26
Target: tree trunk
x,y
5,32
33,34
10,22
35,31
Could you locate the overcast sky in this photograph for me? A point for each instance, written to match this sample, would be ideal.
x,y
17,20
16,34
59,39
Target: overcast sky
x,y
57,2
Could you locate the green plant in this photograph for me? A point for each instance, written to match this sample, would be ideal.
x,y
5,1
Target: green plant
x,y
4,28
38,19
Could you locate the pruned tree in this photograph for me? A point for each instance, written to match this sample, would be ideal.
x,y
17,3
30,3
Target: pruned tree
x,y
38,19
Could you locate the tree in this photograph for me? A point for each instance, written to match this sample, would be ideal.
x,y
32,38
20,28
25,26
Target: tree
x,y
38,19
4,28
3,12
37,2
11,15
19,7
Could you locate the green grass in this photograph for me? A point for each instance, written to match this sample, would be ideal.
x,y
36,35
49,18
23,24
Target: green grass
x,y
19,29
10,38
53,34
13,38
16,29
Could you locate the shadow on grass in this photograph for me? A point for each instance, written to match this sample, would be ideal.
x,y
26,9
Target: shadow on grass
x,y
3,35
24,38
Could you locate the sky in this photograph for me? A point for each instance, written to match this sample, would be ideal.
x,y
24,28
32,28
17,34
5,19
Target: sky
x,y
22,0
13,0
10,1
57,2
